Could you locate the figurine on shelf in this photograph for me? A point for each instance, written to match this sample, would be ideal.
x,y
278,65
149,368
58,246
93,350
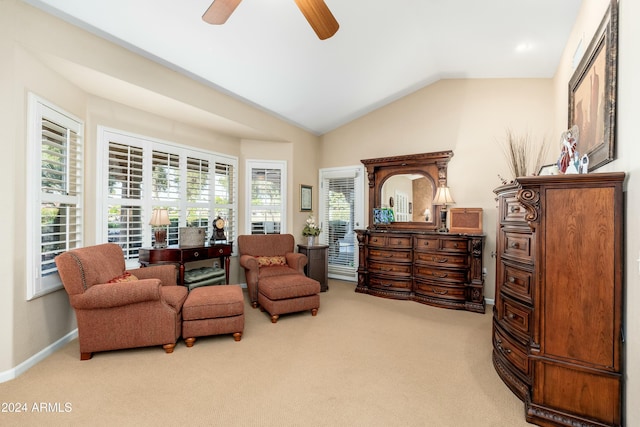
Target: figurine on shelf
x,y
569,161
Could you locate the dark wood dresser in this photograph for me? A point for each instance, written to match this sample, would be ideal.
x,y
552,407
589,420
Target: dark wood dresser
x,y
557,320
439,269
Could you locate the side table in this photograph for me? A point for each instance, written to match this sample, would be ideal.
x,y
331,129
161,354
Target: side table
x,y
317,266
181,255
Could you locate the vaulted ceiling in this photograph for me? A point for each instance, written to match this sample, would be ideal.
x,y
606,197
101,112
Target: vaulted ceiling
x,y
267,55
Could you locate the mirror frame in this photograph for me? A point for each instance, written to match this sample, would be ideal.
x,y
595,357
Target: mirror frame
x,y
431,165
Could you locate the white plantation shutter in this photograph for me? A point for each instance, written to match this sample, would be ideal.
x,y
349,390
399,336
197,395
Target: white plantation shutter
x,y
267,196
198,192
143,174
125,221
225,192
55,151
341,201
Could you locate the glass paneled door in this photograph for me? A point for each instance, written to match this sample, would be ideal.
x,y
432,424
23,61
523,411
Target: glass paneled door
x,y
341,212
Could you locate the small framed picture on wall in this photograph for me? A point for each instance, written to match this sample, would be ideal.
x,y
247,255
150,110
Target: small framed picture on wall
x,y
306,198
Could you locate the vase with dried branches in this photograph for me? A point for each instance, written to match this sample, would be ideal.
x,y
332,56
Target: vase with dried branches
x,y
524,156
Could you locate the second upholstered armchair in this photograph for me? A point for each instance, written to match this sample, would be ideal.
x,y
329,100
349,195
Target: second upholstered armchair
x,y
268,255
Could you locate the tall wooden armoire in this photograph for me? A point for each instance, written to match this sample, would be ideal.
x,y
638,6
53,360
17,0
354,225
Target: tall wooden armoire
x,y
557,330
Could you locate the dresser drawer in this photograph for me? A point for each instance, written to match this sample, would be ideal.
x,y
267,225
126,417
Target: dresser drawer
x,y
441,259
429,243
440,274
384,255
513,352
386,283
516,281
456,293
512,211
515,318
390,268
517,245
391,241
455,245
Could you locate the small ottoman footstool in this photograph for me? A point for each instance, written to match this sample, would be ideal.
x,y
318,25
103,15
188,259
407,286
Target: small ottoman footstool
x,y
213,310
288,294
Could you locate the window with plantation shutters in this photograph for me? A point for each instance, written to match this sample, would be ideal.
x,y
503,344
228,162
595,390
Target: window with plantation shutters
x,y
55,220
125,195
225,193
143,174
341,201
266,180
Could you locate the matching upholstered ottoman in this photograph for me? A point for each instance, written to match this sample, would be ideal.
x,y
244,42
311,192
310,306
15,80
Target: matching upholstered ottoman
x,y
288,294
213,310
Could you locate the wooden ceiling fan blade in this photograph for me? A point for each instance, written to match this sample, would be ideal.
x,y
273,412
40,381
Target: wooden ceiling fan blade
x,y
319,17
220,11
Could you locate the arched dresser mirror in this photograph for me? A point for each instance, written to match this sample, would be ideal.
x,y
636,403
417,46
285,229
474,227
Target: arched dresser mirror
x,y
407,184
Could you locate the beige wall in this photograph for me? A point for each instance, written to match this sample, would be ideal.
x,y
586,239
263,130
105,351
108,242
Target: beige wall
x,y
107,85
469,117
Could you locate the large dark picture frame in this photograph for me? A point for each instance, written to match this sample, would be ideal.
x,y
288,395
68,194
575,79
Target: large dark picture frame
x,y
592,93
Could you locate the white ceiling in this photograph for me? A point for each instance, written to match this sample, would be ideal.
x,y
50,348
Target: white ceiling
x,y
268,55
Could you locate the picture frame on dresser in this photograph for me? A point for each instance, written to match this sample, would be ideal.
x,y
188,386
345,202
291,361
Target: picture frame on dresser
x,y
592,93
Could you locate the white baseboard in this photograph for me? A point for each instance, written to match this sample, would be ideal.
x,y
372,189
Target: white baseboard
x,y
38,357
489,301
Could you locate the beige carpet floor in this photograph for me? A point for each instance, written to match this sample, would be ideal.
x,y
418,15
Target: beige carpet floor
x,y
362,361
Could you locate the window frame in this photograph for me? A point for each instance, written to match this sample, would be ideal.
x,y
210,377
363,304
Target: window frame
x,y
281,165
39,109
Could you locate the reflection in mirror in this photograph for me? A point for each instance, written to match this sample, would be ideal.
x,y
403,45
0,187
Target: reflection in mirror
x,y
412,196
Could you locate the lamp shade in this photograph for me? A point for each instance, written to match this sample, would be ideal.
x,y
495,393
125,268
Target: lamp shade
x,y
443,197
159,217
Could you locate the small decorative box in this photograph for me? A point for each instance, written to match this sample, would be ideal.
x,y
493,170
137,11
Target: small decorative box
x,y
192,236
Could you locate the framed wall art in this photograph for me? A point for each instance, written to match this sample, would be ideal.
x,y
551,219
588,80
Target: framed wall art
x,y
592,93
306,198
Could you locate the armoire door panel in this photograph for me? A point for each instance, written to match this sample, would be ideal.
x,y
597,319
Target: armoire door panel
x,y
579,286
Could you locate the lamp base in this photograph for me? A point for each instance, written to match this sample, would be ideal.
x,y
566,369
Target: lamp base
x,y
160,238
443,221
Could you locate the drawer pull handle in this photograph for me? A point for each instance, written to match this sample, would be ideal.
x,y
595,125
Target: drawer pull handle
x,y
515,209
388,255
511,316
220,251
196,254
504,350
387,285
512,279
441,275
515,245
435,291
426,243
440,260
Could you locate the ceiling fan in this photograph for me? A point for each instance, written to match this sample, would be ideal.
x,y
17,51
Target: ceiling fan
x,y
316,11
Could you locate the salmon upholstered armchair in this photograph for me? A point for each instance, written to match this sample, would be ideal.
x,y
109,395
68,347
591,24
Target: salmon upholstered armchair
x,y
268,255
118,308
